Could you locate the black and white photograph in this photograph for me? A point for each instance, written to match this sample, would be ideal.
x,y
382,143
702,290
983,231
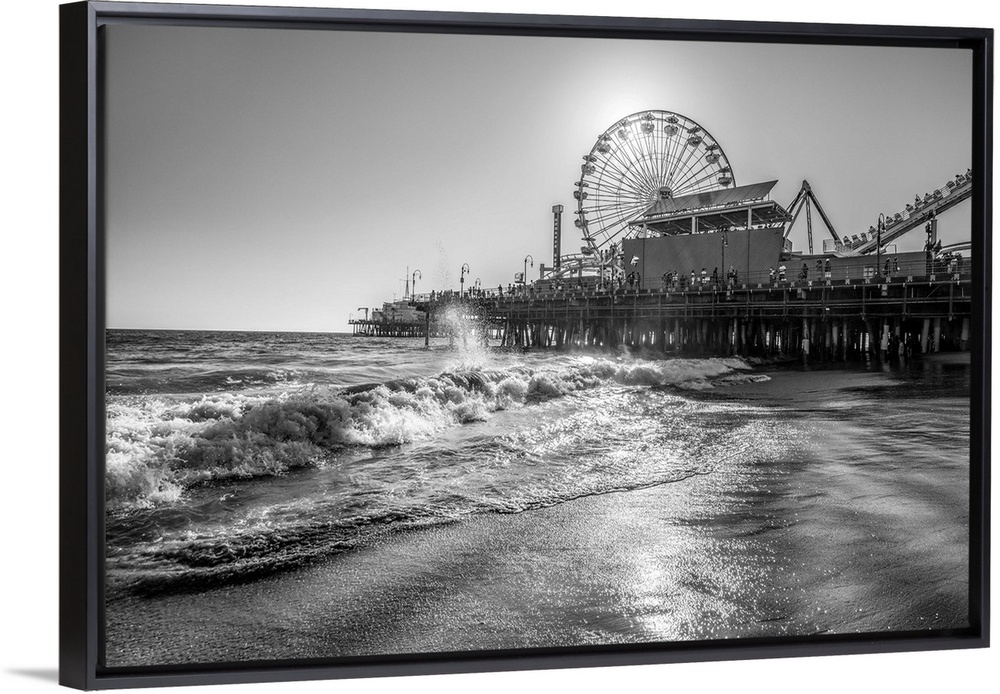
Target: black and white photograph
x,y
636,360
422,343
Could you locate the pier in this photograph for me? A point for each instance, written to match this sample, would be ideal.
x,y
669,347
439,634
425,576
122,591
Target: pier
x,y
388,328
695,264
821,319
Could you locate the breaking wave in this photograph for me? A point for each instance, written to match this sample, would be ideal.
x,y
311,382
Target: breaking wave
x,y
157,447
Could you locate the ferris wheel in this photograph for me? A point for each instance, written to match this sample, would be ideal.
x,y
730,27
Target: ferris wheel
x,y
637,161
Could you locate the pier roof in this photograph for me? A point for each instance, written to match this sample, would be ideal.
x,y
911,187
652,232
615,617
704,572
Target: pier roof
x,y
714,209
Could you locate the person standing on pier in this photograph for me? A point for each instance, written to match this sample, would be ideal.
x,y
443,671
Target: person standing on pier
x,y
781,272
770,274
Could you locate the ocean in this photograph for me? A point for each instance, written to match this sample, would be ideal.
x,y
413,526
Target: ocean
x,y
249,461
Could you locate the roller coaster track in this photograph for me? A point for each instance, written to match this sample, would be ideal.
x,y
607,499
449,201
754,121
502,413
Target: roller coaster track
x,y
897,224
911,217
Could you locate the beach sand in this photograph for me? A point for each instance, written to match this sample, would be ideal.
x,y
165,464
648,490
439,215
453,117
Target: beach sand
x,y
759,548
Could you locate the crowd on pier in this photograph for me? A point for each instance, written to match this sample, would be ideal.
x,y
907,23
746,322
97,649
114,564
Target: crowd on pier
x,y
941,266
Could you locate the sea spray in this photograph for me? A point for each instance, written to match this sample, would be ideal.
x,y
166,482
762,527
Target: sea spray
x,y
468,337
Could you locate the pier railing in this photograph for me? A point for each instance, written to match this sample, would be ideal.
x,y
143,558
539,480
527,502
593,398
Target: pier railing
x,y
885,269
859,275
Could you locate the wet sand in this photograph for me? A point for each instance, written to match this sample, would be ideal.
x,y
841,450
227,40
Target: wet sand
x,y
759,547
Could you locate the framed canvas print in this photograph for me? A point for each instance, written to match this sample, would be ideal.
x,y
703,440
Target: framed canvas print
x,y
421,342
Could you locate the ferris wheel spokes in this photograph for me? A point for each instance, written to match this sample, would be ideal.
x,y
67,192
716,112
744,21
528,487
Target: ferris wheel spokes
x,y
636,162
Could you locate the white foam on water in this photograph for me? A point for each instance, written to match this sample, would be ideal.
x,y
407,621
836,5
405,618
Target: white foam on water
x,y
156,448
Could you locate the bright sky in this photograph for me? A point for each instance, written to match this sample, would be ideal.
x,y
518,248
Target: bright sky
x,y
280,180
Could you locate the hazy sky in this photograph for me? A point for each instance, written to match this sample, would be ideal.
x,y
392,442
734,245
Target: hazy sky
x,y
280,180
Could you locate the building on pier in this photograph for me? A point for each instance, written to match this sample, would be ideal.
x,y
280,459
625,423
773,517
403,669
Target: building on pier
x,y
399,318
736,228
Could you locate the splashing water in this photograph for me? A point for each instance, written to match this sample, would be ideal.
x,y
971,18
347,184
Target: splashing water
x,y
468,338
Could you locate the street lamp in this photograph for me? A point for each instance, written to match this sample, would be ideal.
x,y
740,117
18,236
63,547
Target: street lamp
x,y
465,269
878,242
416,273
725,242
524,277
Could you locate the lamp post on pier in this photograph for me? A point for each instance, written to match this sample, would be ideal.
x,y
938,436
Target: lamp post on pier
x,y
416,273
725,242
878,245
465,270
524,277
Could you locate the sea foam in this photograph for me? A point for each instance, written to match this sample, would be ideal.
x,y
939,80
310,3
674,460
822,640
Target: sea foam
x,y
156,448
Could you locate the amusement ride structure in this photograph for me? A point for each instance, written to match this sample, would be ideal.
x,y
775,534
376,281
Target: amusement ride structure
x,y
659,173
641,159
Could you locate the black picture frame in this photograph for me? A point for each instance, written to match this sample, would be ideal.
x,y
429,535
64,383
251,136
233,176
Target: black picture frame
x,y
82,324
